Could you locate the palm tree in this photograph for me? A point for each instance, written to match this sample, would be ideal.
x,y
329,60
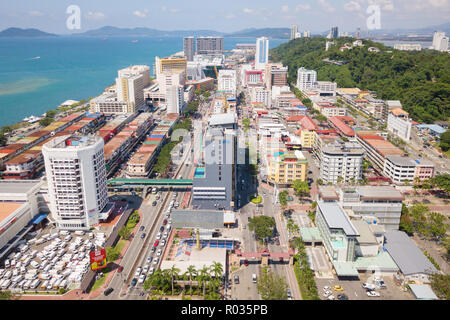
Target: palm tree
x,y
204,275
173,272
191,272
166,277
217,269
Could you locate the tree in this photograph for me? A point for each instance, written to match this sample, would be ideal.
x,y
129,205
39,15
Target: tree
x,y
263,226
51,113
191,272
246,123
441,285
292,227
204,276
320,182
112,254
46,121
282,197
217,270
3,139
445,141
442,182
125,233
301,188
271,287
173,273
437,227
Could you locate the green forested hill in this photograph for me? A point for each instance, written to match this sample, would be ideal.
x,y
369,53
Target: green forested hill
x,y
420,80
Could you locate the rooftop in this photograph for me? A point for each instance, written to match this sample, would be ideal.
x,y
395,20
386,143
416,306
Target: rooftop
x,y
17,186
222,119
402,161
365,234
408,257
422,292
379,193
7,209
336,218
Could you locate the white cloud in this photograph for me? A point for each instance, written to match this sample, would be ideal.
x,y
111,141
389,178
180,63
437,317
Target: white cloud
x,y
285,9
141,14
326,6
387,5
302,7
163,8
248,11
230,16
175,10
95,15
35,13
352,6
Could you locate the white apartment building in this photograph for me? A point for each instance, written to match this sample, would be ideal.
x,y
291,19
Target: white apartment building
x,y
261,95
306,78
227,81
108,103
130,84
440,41
169,79
262,53
400,169
343,162
326,88
294,31
399,124
76,175
408,47
175,98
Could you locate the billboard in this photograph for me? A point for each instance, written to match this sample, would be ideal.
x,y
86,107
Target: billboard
x,y
98,259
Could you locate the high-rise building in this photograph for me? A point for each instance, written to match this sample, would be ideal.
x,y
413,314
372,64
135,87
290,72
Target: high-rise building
x,y
174,98
170,65
262,53
275,75
76,176
306,79
399,123
341,162
130,84
358,33
227,81
214,185
307,34
210,45
294,31
189,49
334,32
440,41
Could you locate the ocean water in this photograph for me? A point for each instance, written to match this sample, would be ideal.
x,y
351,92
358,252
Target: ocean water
x,y
37,75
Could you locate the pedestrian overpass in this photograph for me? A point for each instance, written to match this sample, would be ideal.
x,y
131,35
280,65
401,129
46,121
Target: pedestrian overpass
x,y
144,185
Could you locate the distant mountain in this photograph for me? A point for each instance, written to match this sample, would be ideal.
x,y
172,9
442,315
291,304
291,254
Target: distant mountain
x,y
144,32
419,31
280,33
275,33
24,33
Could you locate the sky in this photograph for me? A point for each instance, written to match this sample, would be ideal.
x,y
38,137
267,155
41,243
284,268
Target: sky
x,y
225,16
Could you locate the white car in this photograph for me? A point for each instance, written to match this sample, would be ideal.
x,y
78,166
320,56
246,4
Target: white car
x,y
368,286
138,272
158,253
141,278
158,236
151,271
326,288
145,269
373,294
165,235
162,243
331,297
155,261
327,293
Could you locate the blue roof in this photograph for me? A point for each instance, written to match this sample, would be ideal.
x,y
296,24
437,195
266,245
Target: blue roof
x,y
38,218
433,127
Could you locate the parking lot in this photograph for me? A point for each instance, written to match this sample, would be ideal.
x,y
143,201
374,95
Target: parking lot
x,y
354,290
49,261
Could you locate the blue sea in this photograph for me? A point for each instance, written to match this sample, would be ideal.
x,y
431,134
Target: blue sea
x,y
37,75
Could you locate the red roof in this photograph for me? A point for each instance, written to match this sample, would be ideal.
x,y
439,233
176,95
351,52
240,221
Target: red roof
x,y
295,118
346,118
342,127
308,124
370,137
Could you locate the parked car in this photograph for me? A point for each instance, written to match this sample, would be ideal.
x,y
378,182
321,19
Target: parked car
x,y
143,235
373,294
368,286
141,228
133,282
342,297
154,203
236,279
338,288
108,291
288,293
